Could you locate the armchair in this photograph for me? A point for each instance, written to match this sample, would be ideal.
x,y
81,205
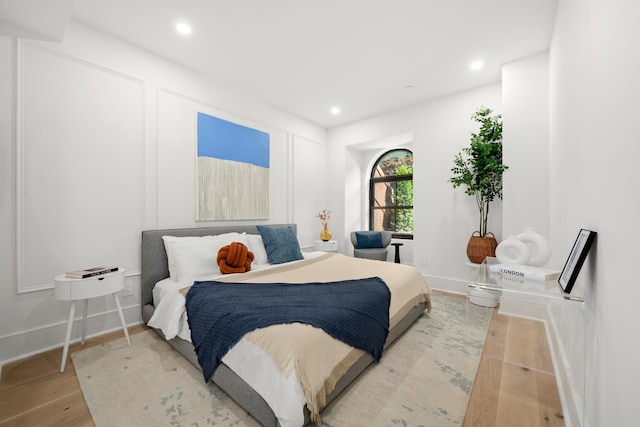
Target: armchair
x,y
371,244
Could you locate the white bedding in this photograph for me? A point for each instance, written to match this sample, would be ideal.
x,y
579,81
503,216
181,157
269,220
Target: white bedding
x,y
248,361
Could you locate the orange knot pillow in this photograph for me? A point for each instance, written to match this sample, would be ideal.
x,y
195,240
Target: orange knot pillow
x,y
234,258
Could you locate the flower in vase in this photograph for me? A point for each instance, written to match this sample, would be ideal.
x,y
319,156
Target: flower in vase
x,y
324,217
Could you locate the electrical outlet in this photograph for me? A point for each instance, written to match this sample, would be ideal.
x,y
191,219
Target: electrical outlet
x,y
128,288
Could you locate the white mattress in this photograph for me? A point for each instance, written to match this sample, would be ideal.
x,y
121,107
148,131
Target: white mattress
x,y
248,361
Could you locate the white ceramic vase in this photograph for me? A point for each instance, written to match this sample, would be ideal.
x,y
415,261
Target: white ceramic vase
x,y
512,250
539,248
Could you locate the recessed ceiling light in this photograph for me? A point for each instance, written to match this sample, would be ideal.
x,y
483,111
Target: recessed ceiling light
x,y
476,65
183,28
335,110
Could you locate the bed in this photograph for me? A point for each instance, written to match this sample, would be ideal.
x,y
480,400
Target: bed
x,y
287,404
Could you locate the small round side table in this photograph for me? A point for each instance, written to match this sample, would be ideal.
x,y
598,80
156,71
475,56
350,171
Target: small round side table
x,y
75,290
397,246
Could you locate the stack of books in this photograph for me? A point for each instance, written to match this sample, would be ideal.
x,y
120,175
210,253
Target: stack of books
x,y
90,272
524,272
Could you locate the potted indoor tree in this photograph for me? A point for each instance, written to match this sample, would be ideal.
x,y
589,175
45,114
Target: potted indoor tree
x,y
479,169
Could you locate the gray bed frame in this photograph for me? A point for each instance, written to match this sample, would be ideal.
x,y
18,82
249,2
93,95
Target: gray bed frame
x,y
155,268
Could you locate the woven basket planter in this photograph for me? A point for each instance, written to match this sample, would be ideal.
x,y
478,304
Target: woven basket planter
x,y
480,247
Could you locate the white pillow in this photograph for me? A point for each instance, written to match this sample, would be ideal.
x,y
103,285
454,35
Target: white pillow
x,y
169,243
193,257
256,245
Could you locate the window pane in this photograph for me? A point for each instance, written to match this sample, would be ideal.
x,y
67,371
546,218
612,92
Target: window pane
x,y
396,162
398,193
382,219
404,221
384,194
404,193
398,220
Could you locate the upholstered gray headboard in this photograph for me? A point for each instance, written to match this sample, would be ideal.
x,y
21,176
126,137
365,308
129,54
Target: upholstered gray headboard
x,y
154,258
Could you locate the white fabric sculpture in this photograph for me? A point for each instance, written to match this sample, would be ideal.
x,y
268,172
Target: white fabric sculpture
x,y
512,251
539,248
527,248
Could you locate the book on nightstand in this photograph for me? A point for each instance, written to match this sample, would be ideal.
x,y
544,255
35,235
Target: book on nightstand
x,y
524,272
90,272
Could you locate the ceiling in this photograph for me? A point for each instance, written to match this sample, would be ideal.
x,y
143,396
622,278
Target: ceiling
x,y
35,19
365,56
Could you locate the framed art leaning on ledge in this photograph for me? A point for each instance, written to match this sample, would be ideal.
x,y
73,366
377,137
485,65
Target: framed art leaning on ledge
x,y
575,260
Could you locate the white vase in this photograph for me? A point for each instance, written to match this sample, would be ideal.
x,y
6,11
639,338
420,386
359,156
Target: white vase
x,y
513,251
539,248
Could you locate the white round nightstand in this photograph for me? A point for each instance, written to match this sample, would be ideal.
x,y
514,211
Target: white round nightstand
x,y
326,246
67,289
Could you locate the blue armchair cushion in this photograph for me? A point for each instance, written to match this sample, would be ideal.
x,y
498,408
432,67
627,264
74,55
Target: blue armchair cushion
x,y
368,240
280,243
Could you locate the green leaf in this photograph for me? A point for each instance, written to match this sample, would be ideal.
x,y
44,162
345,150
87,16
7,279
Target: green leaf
x,y
479,166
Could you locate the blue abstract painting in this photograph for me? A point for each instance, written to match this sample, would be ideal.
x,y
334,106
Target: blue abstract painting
x,y
233,171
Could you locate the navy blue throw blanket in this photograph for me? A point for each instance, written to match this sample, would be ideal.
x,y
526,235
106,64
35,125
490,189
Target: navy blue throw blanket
x,y
355,312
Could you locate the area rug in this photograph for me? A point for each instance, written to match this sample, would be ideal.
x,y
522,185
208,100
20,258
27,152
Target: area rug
x,y
423,379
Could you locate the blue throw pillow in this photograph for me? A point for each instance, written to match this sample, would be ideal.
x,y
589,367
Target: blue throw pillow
x,y
368,240
281,244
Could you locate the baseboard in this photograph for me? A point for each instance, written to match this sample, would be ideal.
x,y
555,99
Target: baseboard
x,y
23,344
568,398
446,284
523,307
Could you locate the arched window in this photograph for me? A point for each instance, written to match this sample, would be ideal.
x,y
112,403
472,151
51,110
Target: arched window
x,y
391,193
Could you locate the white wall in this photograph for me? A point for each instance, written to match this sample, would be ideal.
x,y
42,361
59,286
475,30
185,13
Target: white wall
x,y
594,151
444,218
525,89
525,107
309,188
97,140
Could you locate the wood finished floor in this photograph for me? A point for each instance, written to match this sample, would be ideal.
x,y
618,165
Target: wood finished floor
x,y
33,392
514,385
